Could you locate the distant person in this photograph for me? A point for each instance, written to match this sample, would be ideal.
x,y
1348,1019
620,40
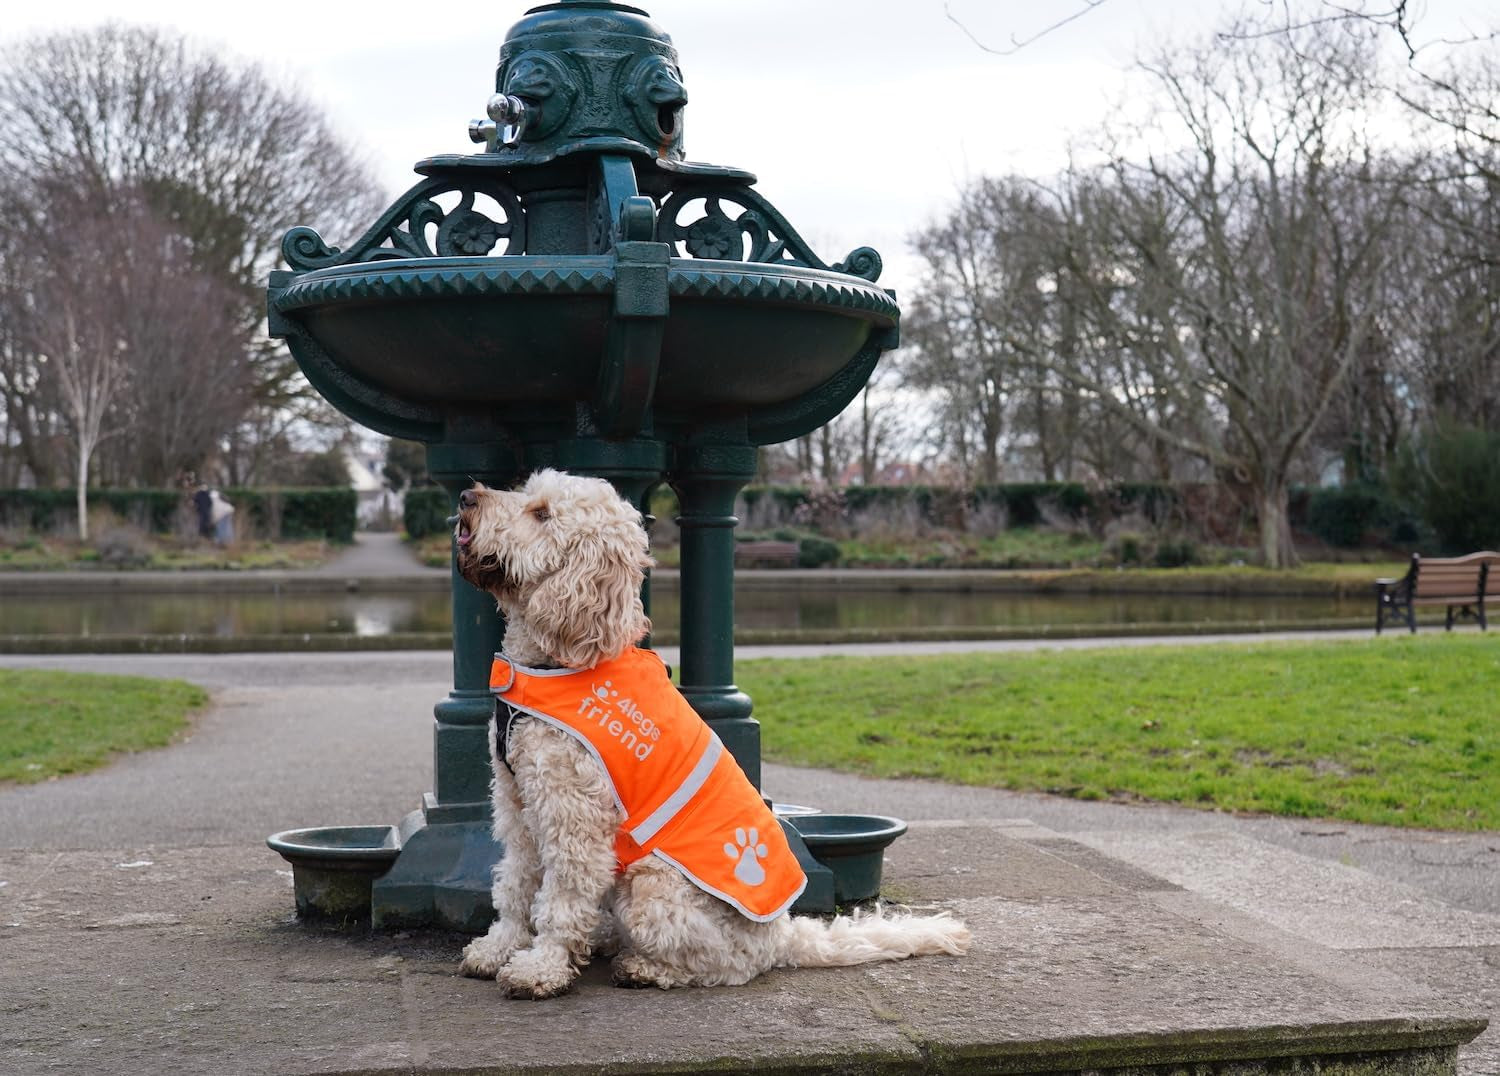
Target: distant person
x,y
221,516
203,504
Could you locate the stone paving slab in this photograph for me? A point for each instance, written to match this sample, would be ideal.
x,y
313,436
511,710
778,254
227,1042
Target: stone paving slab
x,y
1464,978
146,960
1307,896
1283,900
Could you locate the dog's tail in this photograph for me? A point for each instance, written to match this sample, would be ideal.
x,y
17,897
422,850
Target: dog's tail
x,y
869,936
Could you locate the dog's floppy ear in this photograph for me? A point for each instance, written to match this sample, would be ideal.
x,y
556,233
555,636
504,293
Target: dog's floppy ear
x,y
590,609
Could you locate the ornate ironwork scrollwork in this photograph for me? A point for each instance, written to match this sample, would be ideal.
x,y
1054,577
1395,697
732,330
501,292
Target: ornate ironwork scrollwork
x,y
758,234
401,231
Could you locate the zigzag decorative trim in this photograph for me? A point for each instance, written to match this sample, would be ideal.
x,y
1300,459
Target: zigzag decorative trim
x,y
384,280
690,280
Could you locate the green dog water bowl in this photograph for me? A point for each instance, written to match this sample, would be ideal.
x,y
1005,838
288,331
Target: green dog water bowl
x,y
333,866
852,846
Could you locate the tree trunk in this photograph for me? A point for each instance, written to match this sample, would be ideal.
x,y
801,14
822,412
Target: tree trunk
x,y
1043,435
1271,508
82,480
830,463
866,440
990,451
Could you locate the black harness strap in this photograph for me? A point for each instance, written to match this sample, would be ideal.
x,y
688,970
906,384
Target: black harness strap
x,y
502,732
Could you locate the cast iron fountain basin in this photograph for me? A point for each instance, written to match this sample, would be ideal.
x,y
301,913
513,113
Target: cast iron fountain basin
x,y
525,329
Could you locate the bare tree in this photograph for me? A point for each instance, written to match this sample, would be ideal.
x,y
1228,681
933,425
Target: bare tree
x,y
190,376
221,154
1017,41
824,455
1399,19
1259,251
31,416
1252,285
1007,342
1443,360
882,423
71,321
978,311
1453,301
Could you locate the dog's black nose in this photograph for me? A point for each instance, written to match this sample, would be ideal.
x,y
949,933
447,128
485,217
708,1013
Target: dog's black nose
x,y
468,499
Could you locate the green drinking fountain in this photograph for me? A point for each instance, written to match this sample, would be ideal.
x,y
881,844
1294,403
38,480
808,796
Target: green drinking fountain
x,y
578,295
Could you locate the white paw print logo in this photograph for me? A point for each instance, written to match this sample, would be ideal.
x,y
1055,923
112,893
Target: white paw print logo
x,y
606,692
749,850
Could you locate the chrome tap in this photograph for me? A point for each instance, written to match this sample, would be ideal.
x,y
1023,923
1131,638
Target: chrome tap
x,y
506,124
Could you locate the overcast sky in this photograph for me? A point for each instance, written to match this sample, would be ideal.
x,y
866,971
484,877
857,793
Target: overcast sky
x,y
860,117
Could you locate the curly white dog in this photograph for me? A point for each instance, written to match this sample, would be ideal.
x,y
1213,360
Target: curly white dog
x,y
565,557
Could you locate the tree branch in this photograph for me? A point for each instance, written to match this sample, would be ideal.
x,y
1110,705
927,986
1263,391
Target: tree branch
x,y
1019,43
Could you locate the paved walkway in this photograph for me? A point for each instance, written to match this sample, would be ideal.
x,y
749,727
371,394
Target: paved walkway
x,y
375,554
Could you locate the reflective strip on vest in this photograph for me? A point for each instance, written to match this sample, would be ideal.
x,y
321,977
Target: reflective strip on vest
x,y
689,788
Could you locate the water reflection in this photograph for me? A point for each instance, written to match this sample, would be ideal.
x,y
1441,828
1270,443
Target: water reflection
x,y
805,608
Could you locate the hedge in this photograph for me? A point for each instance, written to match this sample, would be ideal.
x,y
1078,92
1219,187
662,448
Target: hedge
x,y
328,514
1450,474
53,509
1343,516
299,513
426,511
1025,503
1339,516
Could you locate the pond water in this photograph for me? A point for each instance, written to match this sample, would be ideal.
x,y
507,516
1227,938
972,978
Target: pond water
x,y
801,608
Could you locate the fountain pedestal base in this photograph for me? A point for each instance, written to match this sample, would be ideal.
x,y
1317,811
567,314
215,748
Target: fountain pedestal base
x,y
442,877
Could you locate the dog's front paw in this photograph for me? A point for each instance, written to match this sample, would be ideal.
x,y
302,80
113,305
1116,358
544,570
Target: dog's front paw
x,y
535,974
633,972
484,957
482,960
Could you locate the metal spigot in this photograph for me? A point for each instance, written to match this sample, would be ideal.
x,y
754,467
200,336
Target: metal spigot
x,y
483,131
506,123
509,113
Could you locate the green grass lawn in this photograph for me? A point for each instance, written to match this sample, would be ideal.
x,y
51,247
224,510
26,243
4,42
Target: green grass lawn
x,y
1394,731
54,723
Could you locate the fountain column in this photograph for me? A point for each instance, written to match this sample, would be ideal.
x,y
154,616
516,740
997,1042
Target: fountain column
x,y
707,479
442,874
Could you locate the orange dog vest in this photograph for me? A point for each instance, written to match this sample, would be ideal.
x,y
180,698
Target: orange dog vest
x,y
685,799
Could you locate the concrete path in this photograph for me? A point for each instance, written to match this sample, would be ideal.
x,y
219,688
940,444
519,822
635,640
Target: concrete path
x,y
375,554
166,847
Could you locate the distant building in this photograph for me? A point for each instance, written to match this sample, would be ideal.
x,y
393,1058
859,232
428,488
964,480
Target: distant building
x,y
379,507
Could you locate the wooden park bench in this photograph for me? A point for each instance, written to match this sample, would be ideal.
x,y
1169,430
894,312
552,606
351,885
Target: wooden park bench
x,y
1459,583
765,554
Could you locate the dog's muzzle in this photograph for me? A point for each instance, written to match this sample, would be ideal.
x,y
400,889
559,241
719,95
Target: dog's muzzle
x,y
487,572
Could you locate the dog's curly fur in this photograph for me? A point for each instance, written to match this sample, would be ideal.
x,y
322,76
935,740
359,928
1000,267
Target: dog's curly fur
x,y
564,557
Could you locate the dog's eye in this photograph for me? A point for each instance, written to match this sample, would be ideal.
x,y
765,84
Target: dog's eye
x,y
540,514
